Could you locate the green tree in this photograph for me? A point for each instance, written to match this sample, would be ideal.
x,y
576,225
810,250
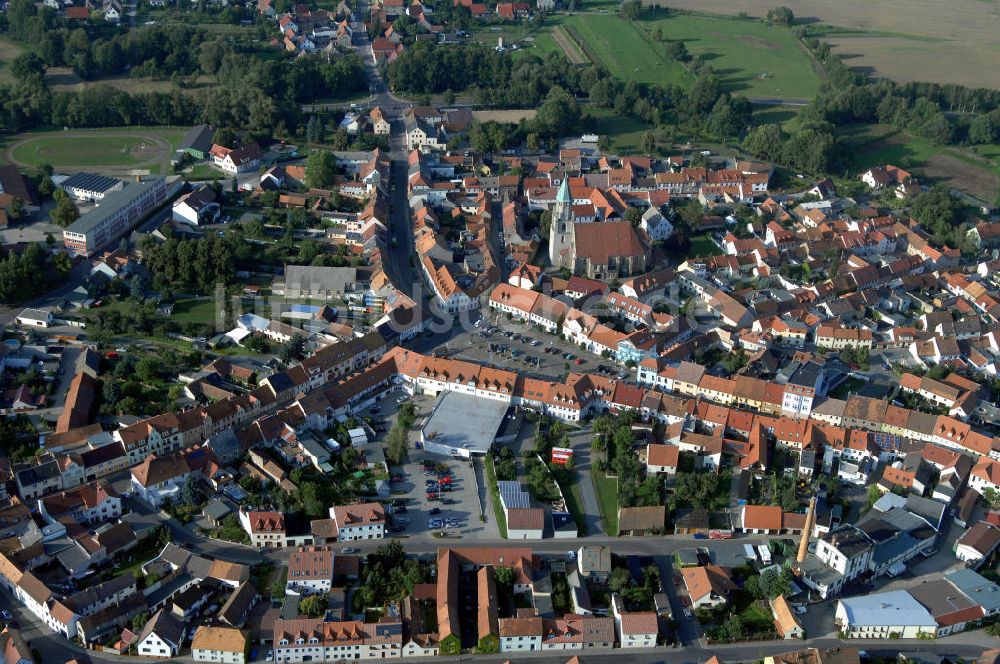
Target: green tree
x,y
321,169
633,215
619,580
781,15
65,212
396,443
313,606
558,115
992,498
504,576
148,369
630,9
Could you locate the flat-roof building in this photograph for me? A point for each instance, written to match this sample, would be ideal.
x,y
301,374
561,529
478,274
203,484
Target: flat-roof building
x,y
462,425
90,186
117,213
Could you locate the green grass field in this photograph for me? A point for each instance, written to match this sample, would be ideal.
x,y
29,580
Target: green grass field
x,y
624,52
195,311
8,51
751,58
624,133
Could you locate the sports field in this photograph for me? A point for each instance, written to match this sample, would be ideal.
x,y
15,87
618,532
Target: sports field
x,y
751,58
623,51
905,40
125,149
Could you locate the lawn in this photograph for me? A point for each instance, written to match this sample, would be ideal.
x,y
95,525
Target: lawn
x,y
623,51
195,311
624,133
750,58
491,482
204,172
702,245
606,489
574,503
8,51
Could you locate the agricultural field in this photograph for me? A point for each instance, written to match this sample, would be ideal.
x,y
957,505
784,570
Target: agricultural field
x,y
976,171
123,149
750,58
905,40
623,51
8,51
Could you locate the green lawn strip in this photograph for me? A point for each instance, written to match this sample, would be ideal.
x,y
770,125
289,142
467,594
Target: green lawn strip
x,y
491,481
574,503
702,245
606,489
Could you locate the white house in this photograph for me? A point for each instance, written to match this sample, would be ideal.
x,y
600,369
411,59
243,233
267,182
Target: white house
x,y
158,479
162,636
359,522
656,225
310,571
236,160
636,629
662,458
227,645
977,543
894,614
197,207
35,318
520,634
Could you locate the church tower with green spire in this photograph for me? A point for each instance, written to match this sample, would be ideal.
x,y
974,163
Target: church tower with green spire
x,y
561,231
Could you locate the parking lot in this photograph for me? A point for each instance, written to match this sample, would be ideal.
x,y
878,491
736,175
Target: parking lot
x,y
455,512
531,352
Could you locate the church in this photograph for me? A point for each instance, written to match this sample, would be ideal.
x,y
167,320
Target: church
x,y
595,249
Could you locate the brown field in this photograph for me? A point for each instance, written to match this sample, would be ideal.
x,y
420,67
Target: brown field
x,y
512,116
907,40
959,174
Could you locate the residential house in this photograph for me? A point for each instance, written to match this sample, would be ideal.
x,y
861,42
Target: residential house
x,y
161,637
226,645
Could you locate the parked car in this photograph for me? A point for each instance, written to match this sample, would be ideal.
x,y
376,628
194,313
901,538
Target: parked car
x,y
348,550
435,510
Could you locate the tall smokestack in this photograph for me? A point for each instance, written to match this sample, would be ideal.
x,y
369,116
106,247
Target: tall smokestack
x,y
807,531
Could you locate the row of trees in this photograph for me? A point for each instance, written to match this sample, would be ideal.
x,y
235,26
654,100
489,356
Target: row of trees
x,y
31,273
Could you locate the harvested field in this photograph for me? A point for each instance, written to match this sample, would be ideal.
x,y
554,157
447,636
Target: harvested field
x,y
62,79
512,116
569,47
905,40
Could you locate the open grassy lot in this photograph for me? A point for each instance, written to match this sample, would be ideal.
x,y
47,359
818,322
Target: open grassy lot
x,y
195,311
906,40
8,51
750,58
624,133
623,51
975,171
